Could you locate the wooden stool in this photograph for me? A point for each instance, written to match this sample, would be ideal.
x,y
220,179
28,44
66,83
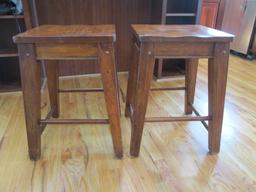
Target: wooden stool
x,y
66,43
176,41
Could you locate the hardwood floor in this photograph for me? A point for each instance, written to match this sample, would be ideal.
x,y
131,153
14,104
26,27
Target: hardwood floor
x,y
173,155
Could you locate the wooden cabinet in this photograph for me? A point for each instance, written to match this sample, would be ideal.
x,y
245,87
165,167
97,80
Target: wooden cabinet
x,y
209,13
10,25
9,62
175,11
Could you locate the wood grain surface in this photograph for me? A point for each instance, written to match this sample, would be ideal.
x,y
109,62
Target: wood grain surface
x,y
178,33
173,155
67,33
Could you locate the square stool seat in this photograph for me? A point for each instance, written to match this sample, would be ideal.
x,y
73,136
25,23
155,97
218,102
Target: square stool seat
x,y
68,33
176,33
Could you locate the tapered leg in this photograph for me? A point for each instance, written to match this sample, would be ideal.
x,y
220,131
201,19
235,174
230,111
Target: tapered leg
x,y
145,74
190,83
132,80
110,85
52,73
217,71
30,78
160,68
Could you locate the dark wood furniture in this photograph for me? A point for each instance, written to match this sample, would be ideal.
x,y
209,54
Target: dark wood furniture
x,y
180,41
209,13
54,43
9,65
9,62
212,13
173,12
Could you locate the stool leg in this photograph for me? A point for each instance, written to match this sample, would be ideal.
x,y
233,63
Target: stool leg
x,y
217,72
132,81
190,83
145,74
31,83
52,73
110,85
